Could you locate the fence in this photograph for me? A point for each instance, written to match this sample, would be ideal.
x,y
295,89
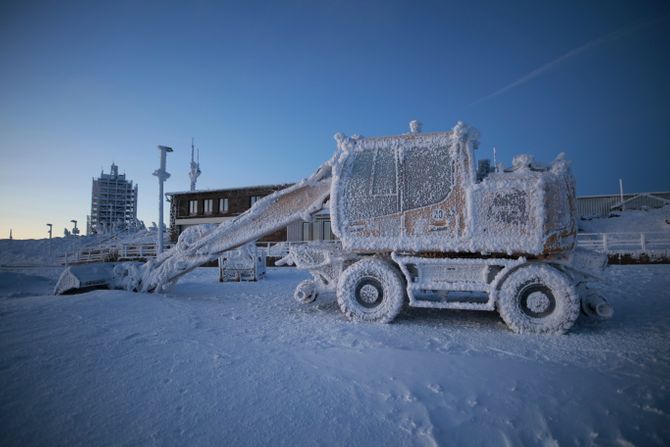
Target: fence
x,y
123,252
281,249
626,243
657,244
130,252
137,252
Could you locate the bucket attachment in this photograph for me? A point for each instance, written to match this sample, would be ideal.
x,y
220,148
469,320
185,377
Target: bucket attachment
x,y
85,277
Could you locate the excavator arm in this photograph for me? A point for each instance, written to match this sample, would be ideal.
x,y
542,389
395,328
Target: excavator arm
x,y
271,213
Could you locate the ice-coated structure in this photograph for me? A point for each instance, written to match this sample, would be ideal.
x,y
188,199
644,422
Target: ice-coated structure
x,y
245,263
418,193
415,225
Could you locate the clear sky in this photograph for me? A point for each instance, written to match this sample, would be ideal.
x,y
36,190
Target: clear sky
x,y
263,86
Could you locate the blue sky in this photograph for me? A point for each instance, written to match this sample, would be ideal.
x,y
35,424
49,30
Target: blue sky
x,y
263,86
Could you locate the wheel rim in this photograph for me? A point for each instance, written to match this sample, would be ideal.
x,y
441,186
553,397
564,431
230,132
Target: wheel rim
x,y
369,292
537,301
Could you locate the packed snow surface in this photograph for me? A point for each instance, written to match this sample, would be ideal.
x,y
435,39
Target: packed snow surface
x,y
244,364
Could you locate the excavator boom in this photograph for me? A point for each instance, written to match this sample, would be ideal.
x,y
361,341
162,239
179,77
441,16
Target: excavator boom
x,y
269,214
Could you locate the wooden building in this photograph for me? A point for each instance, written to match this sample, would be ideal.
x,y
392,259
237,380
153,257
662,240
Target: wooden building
x,y
214,206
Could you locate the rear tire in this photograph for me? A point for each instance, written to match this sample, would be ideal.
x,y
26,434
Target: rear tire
x,y
371,290
538,299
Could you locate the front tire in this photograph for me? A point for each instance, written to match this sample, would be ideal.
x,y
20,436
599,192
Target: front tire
x,y
538,299
371,290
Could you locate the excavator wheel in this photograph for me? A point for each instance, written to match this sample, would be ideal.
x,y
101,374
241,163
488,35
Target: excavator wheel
x,y
371,290
305,292
538,299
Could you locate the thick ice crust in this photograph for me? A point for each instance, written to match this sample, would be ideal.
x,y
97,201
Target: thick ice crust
x,y
419,192
305,292
532,277
371,271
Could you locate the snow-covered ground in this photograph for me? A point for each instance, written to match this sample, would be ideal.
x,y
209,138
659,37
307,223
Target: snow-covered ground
x,y
244,364
39,252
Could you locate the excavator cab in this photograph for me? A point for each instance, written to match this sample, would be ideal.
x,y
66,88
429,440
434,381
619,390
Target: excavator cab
x,y
403,192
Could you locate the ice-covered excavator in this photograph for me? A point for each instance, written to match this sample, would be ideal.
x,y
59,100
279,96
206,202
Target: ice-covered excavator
x,y
415,225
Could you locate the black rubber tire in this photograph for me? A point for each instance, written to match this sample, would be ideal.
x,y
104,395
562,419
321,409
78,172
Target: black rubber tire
x,y
371,290
538,299
305,292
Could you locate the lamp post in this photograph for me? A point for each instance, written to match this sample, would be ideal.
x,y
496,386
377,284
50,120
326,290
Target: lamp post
x,y
75,230
50,232
162,175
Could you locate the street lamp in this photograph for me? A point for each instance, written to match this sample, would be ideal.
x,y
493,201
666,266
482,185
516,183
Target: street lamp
x,y
162,175
50,231
75,230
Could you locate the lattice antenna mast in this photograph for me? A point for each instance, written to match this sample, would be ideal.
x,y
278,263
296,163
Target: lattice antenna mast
x,y
195,171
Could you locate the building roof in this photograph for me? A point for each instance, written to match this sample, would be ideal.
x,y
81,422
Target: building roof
x,y
198,191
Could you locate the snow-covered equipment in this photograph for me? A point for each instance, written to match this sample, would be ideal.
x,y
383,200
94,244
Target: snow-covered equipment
x,y
415,225
82,278
245,263
324,260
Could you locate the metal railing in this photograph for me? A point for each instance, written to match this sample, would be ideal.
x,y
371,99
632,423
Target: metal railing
x,y
136,252
123,252
281,249
625,243
611,243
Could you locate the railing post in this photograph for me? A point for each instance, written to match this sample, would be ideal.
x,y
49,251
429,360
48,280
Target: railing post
x,y
605,242
643,242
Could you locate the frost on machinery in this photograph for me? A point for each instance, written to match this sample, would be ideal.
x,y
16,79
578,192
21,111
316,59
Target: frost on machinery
x,y
415,225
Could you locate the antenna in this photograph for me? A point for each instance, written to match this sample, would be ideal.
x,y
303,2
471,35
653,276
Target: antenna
x,y
192,149
194,173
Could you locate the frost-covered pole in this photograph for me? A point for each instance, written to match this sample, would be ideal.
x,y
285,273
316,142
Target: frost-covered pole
x,y
50,232
162,175
623,207
495,162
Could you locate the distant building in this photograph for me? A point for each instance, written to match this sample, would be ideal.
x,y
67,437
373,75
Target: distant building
x,y
484,168
214,206
603,205
113,203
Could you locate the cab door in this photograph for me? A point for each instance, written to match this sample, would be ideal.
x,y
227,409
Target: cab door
x,y
427,183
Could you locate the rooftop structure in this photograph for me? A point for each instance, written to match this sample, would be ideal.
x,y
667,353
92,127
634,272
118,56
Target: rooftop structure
x,y
113,203
195,171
